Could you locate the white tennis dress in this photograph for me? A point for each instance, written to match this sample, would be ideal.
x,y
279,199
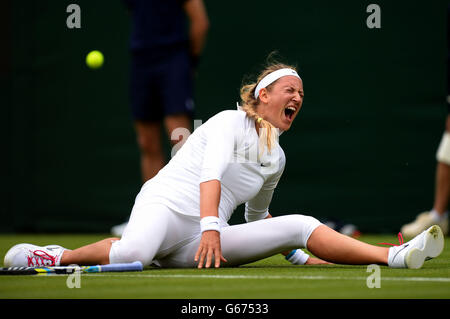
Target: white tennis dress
x,y
164,226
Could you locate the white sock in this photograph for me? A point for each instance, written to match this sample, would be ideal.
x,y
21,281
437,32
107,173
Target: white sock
x,y
390,252
395,261
437,218
58,259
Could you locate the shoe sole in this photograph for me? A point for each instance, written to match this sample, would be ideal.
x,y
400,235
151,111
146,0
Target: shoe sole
x,y
434,244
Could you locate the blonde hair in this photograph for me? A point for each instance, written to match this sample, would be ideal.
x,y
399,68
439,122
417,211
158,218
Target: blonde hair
x,y
268,133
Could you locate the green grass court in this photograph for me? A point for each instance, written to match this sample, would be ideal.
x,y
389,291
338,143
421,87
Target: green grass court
x,y
272,278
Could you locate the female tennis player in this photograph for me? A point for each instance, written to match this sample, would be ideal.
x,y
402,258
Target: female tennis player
x,y
180,216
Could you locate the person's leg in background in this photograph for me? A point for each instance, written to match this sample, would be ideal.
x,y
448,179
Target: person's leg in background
x,y
149,139
148,135
442,190
178,127
439,212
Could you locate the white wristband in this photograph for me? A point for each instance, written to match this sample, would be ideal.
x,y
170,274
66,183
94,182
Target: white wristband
x,y
210,223
297,257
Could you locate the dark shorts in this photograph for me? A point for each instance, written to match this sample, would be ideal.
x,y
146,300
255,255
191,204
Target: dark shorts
x,y
161,85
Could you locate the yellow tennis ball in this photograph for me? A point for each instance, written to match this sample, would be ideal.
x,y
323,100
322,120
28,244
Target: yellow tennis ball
x,y
94,59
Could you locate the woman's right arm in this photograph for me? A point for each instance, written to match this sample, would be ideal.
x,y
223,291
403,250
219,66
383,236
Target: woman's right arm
x,y
222,134
210,242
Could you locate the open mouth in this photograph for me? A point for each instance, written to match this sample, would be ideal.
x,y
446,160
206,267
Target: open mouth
x,y
289,112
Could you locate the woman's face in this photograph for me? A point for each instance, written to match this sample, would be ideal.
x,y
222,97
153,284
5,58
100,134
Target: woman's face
x,y
281,103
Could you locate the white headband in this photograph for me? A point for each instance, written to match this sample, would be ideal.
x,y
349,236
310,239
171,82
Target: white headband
x,y
272,77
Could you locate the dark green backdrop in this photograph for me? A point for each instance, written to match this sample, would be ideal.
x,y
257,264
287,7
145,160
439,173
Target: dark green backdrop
x,y
362,149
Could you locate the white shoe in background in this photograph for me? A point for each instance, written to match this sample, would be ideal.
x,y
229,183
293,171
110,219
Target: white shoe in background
x,y
424,221
117,230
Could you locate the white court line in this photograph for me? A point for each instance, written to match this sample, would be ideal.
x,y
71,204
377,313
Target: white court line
x,y
276,277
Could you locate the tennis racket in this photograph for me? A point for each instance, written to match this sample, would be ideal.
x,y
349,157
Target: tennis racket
x,y
65,270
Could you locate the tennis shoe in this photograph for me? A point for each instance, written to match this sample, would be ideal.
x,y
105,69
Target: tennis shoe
x,y
27,255
412,254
